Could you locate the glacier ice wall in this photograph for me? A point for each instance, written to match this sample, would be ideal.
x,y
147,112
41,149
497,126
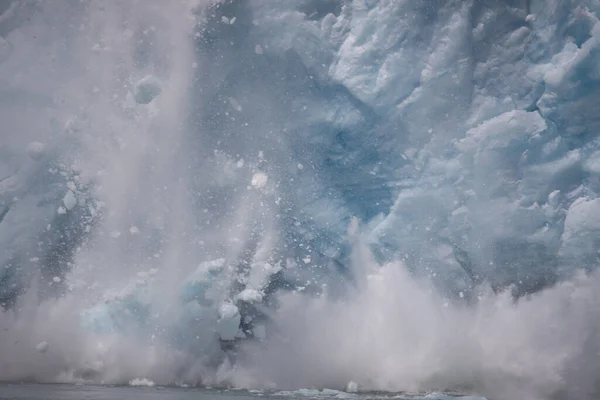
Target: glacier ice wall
x,y
462,134
161,164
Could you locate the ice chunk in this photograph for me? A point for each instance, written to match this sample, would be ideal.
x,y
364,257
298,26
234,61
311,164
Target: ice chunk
x,y
352,387
583,216
234,103
553,198
250,295
69,201
56,279
74,125
36,150
146,89
229,321
42,347
259,180
500,131
141,382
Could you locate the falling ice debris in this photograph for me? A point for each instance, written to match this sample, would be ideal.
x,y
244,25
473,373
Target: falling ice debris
x,y
229,321
42,347
73,126
352,387
234,103
69,201
146,89
141,382
36,150
259,180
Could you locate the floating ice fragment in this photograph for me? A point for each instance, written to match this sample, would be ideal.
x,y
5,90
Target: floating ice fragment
x,y
146,89
259,180
141,382
134,230
258,49
56,279
36,150
42,347
61,210
232,20
225,20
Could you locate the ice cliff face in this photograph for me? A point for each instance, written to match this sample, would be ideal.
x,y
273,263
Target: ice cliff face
x,y
462,134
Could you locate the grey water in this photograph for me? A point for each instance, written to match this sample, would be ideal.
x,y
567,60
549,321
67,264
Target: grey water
x,y
93,392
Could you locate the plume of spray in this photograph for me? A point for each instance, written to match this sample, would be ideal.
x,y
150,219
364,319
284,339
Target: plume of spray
x,y
394,332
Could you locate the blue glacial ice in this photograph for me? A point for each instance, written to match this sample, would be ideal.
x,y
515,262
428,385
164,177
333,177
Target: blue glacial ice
x,y
167,172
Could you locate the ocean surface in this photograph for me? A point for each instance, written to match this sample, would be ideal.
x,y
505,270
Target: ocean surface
x,y
89,392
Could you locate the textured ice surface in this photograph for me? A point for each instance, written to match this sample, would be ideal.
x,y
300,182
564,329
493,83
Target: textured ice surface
x,y
463,135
